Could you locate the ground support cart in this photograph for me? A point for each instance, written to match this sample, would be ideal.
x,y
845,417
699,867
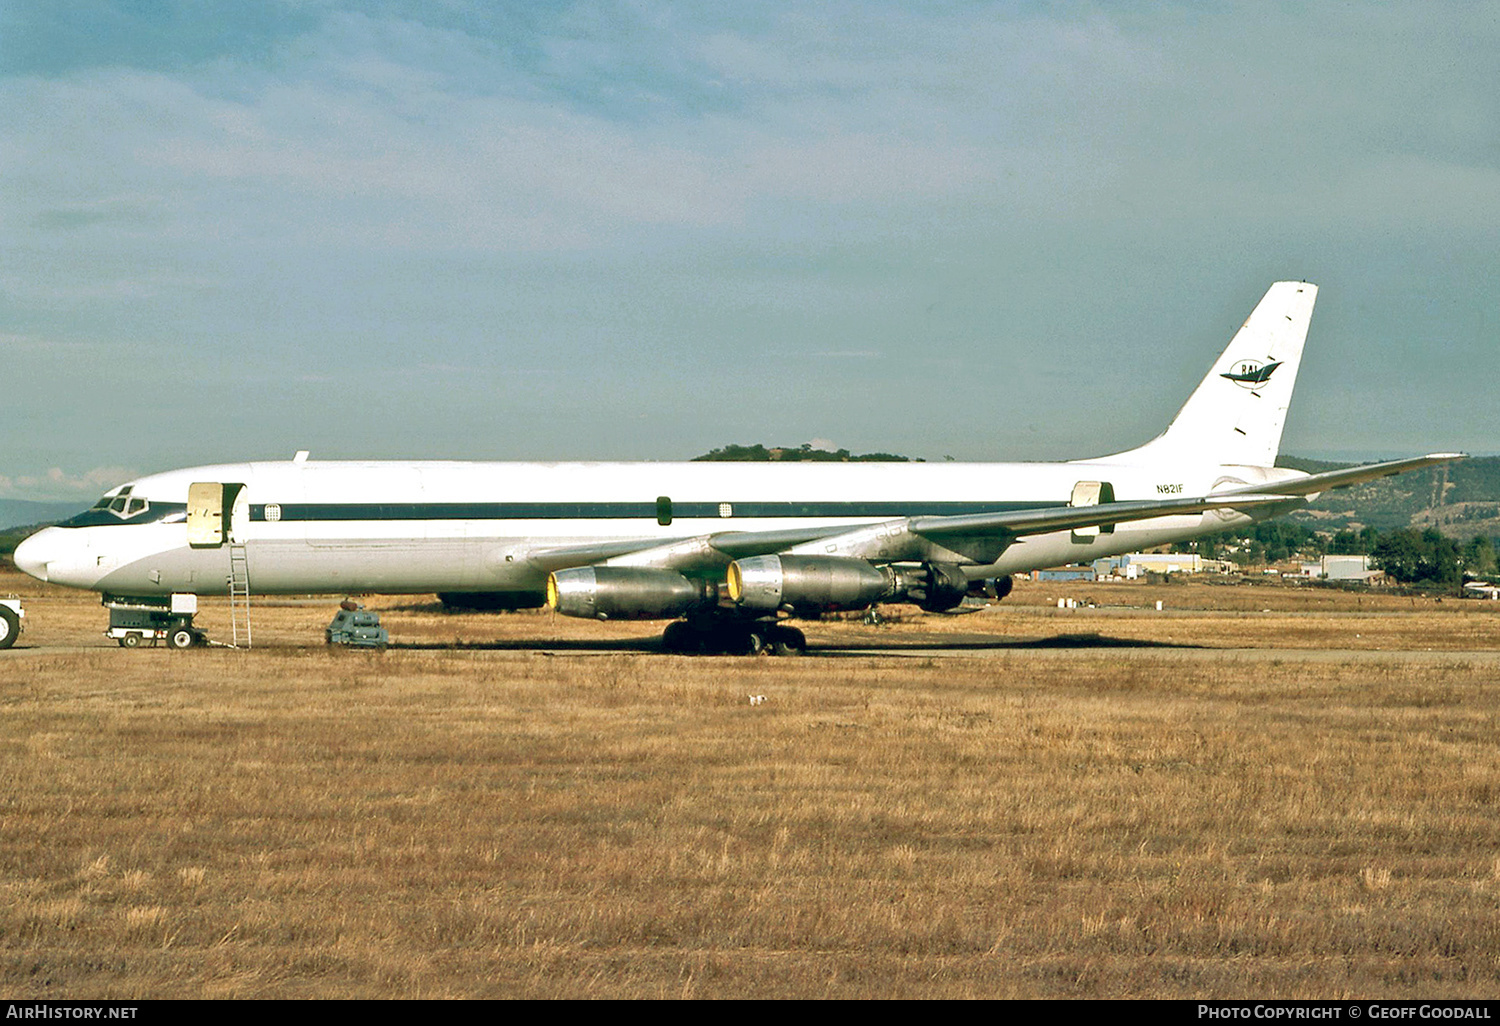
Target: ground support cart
x,y
139,621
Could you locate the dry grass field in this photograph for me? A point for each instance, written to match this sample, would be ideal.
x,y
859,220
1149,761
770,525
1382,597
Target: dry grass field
x,y
1060,803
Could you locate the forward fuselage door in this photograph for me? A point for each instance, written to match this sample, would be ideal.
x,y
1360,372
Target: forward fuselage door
x,y
216,513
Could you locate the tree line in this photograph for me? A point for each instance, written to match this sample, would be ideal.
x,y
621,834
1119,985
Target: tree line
x,y
1408,555
804,453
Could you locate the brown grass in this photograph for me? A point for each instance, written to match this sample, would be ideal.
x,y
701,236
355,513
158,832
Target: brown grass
x,y
1010,822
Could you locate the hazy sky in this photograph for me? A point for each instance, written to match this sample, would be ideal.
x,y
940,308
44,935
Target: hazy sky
x,y
640,231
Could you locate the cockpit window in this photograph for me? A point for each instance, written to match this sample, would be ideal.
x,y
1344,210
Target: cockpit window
x,y
122,506
116,500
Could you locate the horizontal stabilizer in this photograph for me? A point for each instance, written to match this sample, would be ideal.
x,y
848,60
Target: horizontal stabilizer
x,y
1316,483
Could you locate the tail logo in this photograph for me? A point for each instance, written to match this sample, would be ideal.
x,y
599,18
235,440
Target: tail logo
x,y
1252,373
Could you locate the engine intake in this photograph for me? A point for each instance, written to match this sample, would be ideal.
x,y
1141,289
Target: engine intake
x,y
626,593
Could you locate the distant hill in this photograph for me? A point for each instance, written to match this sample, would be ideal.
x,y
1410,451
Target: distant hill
x,y
21,512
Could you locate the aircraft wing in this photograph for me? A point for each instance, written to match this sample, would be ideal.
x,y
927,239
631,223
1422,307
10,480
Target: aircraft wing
x,y
635,552
1316,483
902,538
712,550
1064,518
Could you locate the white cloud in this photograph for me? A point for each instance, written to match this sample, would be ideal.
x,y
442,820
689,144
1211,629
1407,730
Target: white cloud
x,y
56,483
680,188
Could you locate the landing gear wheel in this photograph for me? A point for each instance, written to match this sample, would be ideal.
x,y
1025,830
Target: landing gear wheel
x,y
182,637
10,626
131,640
679,638
754,643
721,638
787,641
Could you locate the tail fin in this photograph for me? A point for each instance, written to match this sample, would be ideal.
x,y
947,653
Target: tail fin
x,y
1236,414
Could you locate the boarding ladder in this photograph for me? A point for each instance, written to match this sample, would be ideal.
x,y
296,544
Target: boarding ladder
x,y
239,593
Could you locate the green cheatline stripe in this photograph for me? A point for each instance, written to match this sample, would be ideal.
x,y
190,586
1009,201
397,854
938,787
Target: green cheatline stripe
x,y
325,511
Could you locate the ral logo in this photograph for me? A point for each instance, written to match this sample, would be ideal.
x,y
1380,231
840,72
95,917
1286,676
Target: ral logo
x,y
1252,373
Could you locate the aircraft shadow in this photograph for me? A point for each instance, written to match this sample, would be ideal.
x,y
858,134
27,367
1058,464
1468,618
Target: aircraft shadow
x,y
861,646
532,645
984,643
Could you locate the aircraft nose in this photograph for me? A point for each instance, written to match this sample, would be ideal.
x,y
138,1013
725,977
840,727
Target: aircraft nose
x,y
33,554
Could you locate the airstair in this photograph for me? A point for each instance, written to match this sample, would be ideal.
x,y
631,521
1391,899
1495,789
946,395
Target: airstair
x,y
239,594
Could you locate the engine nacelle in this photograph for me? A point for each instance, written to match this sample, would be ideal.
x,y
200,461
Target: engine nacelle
x,y
807,584
935,587
823,584
993,587
626,593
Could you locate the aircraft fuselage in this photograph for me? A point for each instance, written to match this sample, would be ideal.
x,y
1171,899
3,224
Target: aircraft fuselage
x,y
417,527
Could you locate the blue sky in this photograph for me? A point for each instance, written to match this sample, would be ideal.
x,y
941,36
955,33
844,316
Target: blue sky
x,y
640,231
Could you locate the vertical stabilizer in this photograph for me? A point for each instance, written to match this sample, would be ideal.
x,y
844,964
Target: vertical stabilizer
x,y
1236,414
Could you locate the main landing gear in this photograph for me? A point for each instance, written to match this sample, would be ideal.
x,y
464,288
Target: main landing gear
x,y
731,637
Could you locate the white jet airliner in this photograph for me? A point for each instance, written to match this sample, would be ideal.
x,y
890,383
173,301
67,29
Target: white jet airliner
x,y
724,549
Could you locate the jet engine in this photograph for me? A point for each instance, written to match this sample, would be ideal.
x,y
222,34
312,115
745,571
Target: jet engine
x,y
994,587
807,584
626,593
935,587
820,584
